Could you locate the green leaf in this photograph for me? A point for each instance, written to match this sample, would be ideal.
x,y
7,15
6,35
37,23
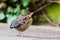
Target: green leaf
x,y
26,2
13,0
53,12
0,6
10,10
22,11
27,8
17,9
2,16
8,15
10,18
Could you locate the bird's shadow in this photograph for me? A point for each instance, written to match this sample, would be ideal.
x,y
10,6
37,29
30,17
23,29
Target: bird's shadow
x,y
24,36
34,37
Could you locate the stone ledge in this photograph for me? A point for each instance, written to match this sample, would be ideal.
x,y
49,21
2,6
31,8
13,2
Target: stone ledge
x,y
45,32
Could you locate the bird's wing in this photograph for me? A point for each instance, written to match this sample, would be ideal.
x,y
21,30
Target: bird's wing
x,y
17,22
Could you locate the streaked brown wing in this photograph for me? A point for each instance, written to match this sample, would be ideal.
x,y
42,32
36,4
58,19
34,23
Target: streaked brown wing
x,y
17,22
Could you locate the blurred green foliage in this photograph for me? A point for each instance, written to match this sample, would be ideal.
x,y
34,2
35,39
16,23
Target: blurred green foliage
x,y
13,9
25,2
2,16
41,18
10,18
10,9
3,0
0,6
13,0
53,12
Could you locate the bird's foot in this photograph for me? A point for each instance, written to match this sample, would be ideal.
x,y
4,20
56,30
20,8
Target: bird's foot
x,y
18,35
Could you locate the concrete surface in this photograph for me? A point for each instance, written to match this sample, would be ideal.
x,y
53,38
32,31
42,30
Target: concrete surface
x,y
42,32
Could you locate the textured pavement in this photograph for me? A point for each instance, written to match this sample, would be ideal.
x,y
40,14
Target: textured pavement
x,y
42,32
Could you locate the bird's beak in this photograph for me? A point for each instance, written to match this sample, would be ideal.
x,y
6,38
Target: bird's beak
x,y
31,14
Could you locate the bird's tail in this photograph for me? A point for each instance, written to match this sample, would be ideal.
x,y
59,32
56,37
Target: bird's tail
x,y
11,27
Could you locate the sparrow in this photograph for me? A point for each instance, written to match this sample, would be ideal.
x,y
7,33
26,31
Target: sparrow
x,y
22,22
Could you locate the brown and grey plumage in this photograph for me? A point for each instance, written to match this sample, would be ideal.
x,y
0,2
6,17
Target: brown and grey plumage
x,y
22,22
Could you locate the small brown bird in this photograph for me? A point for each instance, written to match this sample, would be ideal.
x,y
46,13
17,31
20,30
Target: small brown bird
x,y
22,22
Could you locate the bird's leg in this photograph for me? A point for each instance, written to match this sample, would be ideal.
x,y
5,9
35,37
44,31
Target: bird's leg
x,y
20,34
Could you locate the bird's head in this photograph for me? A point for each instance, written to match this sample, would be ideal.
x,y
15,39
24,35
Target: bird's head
x,y
28,14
